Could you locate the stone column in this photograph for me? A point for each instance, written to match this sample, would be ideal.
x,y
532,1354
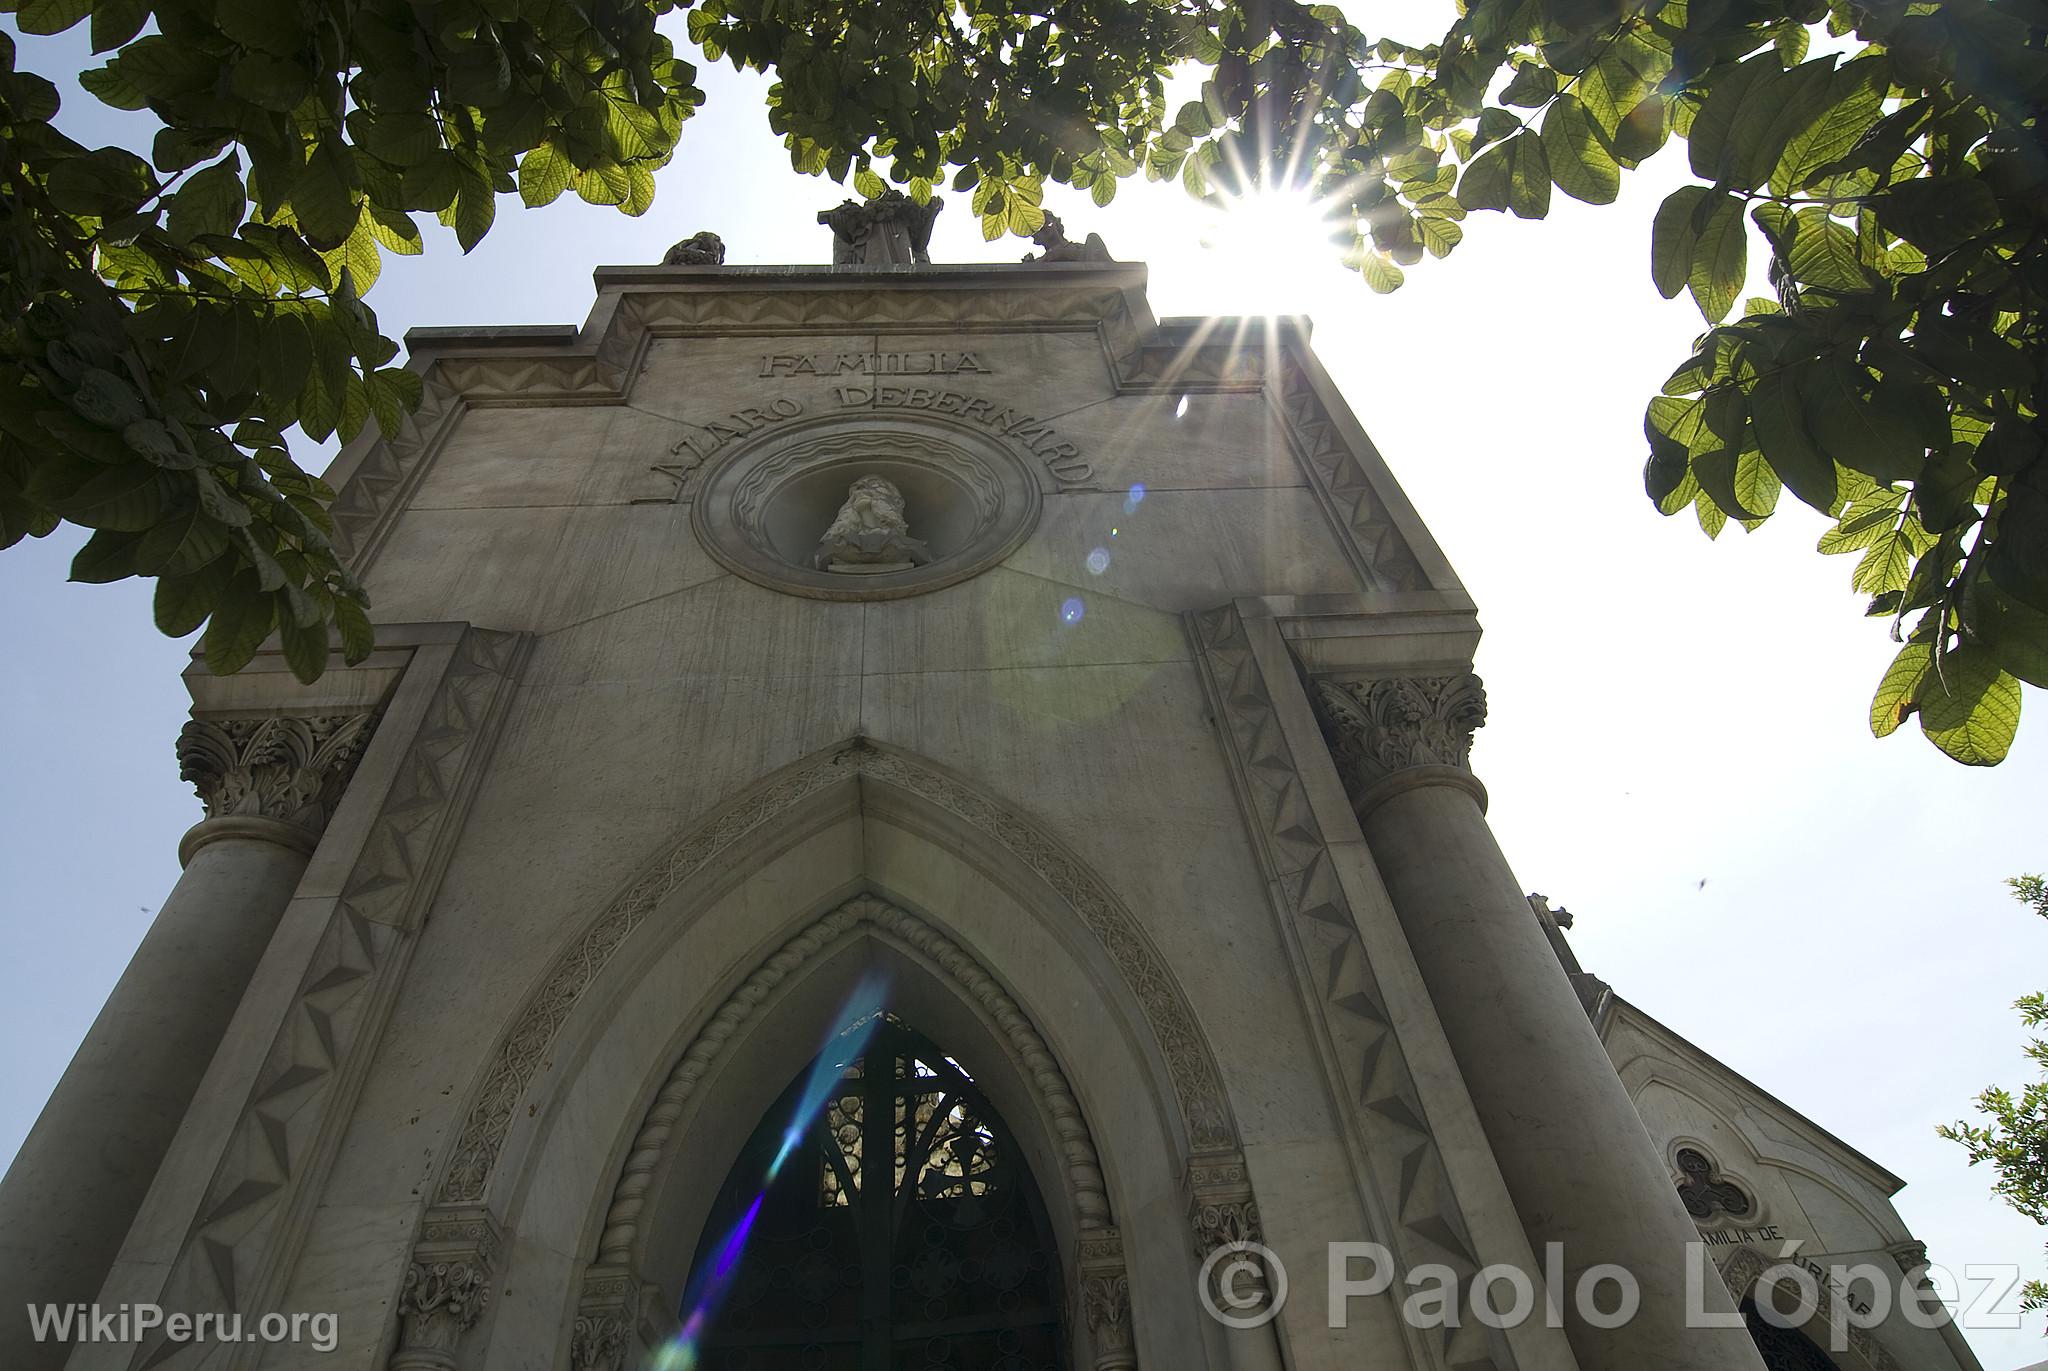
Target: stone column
x,y
67,1201
1580,1167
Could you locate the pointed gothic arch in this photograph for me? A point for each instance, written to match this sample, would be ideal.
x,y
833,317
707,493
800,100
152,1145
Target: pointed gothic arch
x,y
806,839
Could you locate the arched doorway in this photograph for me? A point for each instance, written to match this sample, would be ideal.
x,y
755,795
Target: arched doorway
x,y
903,1233
1783,1349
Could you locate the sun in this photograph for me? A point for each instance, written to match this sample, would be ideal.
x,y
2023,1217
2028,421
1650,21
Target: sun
x,y
1270,252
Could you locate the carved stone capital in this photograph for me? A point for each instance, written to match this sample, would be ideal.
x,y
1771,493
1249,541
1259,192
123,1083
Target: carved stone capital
x,y
599,1342
1221,1209
1912,1259
603,1337
447,1285
287,768
1400,728
1106,1298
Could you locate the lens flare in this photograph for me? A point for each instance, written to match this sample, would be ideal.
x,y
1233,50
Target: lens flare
x,y
1072,610
708,1287
1098,561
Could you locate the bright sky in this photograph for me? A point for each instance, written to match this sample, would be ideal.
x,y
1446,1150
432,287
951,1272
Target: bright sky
x,y
1676,747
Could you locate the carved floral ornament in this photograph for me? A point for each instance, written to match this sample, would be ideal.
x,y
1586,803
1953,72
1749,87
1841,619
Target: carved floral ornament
x,y
287,767
1379,729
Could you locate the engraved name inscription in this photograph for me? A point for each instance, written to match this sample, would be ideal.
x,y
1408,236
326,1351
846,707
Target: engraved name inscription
x,y
873,364
1035,435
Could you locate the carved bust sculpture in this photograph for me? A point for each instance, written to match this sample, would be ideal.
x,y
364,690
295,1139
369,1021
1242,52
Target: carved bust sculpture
x,y
698,250
870,533
889,230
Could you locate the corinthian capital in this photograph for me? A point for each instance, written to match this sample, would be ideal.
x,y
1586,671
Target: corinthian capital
x,y
287,767
1378,728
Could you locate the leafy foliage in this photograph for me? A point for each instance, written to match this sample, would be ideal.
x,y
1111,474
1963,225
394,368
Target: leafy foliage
x,y
165,321
2016,1142
1897,193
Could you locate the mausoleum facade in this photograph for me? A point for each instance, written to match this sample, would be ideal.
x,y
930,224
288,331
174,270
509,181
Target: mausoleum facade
x,y
1061,706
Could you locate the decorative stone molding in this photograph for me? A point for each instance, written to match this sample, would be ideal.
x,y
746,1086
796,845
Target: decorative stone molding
x,y
982,497
1401,1170
447,1286
1912,1259
1379,551
1221,1208
599,1343
1086,1194
1142,357
1384,733
1198,1089
1106,1299
287,768
1747,1270
605,1333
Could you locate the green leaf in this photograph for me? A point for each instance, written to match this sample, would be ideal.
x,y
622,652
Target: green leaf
x,y
50,16
1720,258
106,556
543,175
1898,692
1969,707
1533,85
210,201
324,196
358,638
1854,103
1778,415
114,22
1438,235
1580,162
1860,421
269,82
183,602
1674,238
2015,634
242,618
475,206
305,648
104,183
1485,182
1708,140
183,543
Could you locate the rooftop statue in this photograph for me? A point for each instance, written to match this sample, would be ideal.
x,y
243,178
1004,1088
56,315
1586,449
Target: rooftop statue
x,y
698,250
891,230
1052,236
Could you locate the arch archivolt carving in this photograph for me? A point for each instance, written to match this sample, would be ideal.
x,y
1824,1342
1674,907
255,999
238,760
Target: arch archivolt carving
x,y
494,1103
1085,1191
613,1314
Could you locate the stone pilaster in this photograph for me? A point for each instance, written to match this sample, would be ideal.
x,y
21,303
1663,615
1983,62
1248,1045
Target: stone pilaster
x,y
606,1334
446,1287
1578,1164
1106,1298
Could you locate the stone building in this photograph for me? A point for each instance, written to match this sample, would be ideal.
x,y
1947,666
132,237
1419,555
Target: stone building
x,y
902,816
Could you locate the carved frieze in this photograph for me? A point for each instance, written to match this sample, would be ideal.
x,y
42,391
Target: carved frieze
x,y
290,768
1378,728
